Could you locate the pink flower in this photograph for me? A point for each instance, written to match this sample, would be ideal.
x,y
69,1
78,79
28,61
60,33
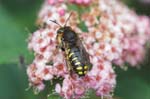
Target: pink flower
x,y
61,12
52,2
81,2
103,90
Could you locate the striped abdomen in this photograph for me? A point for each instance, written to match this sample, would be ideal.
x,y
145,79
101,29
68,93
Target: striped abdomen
x,y
76,61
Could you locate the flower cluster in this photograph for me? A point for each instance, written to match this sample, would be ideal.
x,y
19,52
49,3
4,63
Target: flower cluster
x,y
81,2
112,34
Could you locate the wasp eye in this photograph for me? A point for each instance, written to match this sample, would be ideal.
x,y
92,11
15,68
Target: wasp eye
x,y
60,31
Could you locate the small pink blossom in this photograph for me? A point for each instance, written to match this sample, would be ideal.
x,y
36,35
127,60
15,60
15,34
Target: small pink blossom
x,y
58,88
61,12
81,2
52,2
103,90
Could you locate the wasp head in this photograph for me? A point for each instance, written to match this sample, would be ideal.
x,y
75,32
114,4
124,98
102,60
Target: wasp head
x,y
68,34
60,31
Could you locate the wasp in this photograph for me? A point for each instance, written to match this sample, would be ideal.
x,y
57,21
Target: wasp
x,y
77,58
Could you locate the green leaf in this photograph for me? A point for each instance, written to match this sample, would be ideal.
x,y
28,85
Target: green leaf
x,y
79,9
14,82
73,7
139,6
13,33
133,84
83,27
12,38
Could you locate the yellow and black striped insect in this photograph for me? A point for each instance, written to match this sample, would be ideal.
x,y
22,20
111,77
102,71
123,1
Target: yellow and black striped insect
x,y
77,57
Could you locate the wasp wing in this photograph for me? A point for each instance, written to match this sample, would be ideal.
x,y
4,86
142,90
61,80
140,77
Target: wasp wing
x,y
84,54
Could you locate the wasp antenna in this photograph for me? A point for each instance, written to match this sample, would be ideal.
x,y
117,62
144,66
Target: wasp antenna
x,y
54,21
68,19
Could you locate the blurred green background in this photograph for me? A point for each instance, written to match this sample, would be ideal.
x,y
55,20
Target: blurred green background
x,y
17,18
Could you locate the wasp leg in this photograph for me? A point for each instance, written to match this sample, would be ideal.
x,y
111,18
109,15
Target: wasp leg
x,y
59,47
69,65
62,49
90,66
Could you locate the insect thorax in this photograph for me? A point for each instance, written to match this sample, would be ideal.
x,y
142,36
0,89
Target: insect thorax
x,y
69,35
